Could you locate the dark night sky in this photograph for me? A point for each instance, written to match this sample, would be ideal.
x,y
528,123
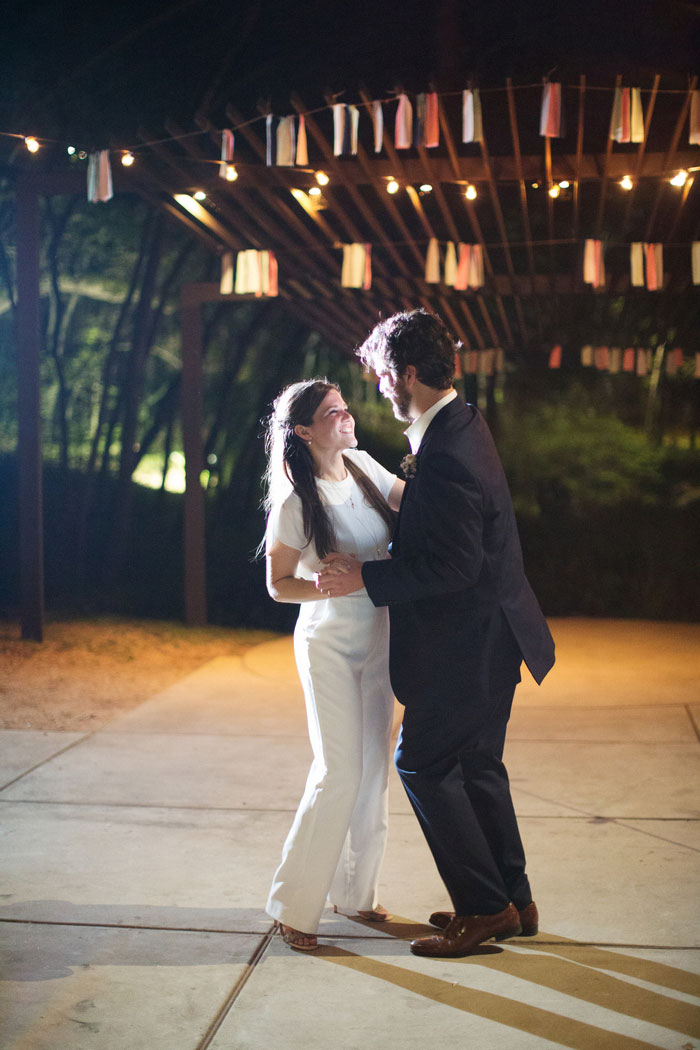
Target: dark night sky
x,y
97,72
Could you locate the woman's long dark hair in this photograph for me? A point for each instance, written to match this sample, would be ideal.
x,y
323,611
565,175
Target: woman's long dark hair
x,y
290,463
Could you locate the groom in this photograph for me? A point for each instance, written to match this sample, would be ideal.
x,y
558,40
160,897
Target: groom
x,y
463,617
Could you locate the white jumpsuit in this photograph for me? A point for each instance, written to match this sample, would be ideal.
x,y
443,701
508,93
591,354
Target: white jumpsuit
x,y
335,847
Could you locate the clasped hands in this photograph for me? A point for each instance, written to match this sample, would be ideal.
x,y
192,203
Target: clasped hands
x,y
341,575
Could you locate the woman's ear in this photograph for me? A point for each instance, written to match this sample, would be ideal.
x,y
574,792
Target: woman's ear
x,y
302,432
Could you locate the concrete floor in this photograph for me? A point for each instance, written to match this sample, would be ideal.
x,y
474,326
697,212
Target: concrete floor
x,y
135,863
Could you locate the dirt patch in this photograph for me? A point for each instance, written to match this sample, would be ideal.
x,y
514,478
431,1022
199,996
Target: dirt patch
x,y
86,672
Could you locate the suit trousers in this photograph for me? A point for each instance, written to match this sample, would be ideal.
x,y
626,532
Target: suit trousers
x,y
452,770
336,844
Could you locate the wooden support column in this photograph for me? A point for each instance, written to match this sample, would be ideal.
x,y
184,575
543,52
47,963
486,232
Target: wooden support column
x,y
31,538
194,524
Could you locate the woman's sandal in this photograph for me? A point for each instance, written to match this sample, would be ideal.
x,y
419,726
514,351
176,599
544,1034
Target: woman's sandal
x,y
305,942
378,914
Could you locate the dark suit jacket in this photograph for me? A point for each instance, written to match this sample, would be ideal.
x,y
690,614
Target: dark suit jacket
x,y
455,584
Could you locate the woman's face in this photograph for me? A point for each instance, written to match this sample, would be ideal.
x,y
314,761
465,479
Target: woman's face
x,y
333,428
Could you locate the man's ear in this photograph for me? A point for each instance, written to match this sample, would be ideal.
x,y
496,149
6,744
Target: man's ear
x,y
410,376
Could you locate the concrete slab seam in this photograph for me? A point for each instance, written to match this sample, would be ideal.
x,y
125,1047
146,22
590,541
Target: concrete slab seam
x,y
225,1009
49,758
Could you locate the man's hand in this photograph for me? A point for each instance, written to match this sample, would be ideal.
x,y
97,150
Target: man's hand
x,y
341,575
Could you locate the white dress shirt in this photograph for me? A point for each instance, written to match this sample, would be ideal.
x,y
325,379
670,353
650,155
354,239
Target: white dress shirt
x,y
418,427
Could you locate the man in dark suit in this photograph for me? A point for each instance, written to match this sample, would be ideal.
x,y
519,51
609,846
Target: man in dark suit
x,y
463,617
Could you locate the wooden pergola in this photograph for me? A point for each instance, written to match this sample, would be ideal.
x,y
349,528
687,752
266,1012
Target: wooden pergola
x,y
531,243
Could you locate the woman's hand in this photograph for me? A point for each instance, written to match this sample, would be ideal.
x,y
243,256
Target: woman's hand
x,y
341,575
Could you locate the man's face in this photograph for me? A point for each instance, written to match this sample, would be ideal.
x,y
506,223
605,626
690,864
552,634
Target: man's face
x,y
393,388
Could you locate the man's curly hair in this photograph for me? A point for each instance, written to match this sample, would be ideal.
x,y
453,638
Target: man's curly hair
x,y
413,338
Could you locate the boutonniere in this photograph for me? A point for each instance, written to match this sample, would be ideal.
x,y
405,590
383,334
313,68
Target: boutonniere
x,y
409,465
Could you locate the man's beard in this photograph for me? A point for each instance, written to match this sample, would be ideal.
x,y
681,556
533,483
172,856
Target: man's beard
x,y
401,402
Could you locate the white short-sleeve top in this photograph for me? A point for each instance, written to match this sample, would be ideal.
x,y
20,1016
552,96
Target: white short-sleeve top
x,y
359,529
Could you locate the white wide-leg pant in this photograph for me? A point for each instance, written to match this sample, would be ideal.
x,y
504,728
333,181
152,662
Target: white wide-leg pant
x,y
335,847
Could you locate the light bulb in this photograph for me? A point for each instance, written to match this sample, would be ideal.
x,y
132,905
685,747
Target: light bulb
x,y
315,191
426,188
626,182
554,191
564,184
321,178
470,193
128,158
231,173
200,195
680,178
392,186
31,143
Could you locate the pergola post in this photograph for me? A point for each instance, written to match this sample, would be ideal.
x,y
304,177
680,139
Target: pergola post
x,y
194,524
31,538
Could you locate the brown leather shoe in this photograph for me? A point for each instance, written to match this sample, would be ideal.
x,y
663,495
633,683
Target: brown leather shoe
x,y
464,933
529,920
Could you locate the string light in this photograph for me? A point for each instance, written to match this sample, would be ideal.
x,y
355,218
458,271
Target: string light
x,y
70,151
31,143
128,158
231,173
564,184
200,195
426,188
554,191
626,182
680,178
470,193
392,186
321,178
315,191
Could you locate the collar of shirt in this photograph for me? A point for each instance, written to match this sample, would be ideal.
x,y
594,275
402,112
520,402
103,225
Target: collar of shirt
x,y
418,427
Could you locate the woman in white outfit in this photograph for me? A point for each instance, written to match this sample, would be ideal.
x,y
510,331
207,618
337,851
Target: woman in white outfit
x,y
324,495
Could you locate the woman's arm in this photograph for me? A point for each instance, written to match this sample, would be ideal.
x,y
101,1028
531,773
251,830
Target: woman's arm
x,y
394,497
282,583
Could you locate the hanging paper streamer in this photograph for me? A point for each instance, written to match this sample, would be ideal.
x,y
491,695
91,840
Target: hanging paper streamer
x,y
637,117
461,281
654,258
641,362
472,362
226,282
476,267
694,131
286,142
338,128
593,265
601,358
586,356
269,141
302,157
486,359
458,365
615,360
352,127
628,359
432,123
256,273
636,265
346,121
627,121
500,359
472,130
419,121
695,257
226,152
550,113
403,131
450,264
555,357
357,266
99,177
696,373
432,262
377,114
